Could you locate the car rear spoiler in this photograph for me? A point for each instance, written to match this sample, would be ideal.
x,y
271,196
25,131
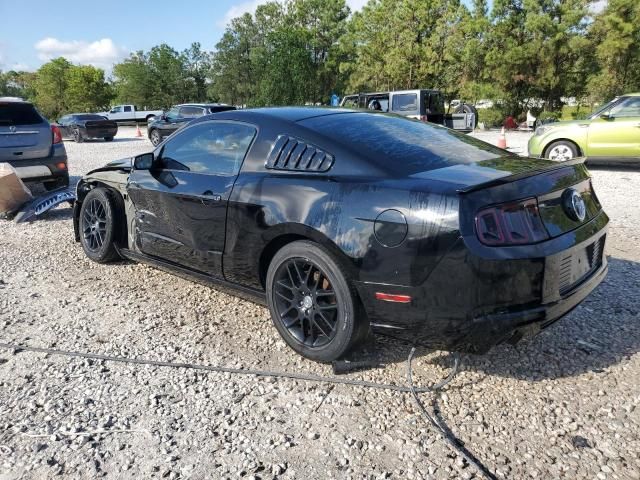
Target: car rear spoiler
x,y
521,175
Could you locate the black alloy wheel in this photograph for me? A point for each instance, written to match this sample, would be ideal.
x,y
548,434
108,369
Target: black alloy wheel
x,y
98,225
312,304
306,302
94,224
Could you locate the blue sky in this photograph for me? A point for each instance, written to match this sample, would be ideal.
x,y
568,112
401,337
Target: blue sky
x,y
34,31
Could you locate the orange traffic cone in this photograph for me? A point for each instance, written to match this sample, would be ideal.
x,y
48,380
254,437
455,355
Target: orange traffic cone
x,y
502,141
139,133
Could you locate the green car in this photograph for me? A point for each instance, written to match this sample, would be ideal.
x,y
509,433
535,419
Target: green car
x,y
612,133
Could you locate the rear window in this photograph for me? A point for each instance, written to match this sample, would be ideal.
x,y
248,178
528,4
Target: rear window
x,y
222,108
400,145
13,113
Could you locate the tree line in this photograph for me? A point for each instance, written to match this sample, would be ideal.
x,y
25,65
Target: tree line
x,y
518,53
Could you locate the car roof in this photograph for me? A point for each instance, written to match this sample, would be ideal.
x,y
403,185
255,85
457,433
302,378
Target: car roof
x,y
203,105
288,114
13,100
635,94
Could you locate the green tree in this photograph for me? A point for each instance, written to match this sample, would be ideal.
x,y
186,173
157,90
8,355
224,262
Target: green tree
x,y
86,89
197,64
133,81
616,34
50,87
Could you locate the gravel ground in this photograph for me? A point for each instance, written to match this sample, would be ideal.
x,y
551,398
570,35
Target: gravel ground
x,y
561,405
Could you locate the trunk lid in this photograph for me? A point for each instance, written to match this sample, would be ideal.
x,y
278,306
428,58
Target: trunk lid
x,y
552,184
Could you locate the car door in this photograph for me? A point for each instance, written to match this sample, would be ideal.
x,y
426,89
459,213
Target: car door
x,y
116,114
616,133
181,203
171,122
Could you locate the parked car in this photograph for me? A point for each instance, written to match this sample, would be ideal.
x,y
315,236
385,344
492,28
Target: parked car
x,y
130,114
178,116
80,126
342,220
31,144
611,134
425,105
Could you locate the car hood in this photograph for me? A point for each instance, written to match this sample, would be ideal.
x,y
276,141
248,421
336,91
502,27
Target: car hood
x,y
566,123
473,176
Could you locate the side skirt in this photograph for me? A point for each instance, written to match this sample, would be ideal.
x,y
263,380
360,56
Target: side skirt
x,y
246,293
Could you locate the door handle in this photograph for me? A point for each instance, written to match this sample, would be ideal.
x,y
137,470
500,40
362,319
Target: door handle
x,y
209,198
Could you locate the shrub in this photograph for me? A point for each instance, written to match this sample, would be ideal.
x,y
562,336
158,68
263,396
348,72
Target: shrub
x,y
491,117
548,117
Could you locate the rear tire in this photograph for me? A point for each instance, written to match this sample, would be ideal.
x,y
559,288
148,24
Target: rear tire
x,y
561,151
312,305
108,139
98,225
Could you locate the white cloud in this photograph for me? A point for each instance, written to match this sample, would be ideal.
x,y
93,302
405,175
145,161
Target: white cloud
x,y
101,53
239,10
250,6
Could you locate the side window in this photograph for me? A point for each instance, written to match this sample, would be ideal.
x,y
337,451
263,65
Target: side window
x,y
127,108
405,102
627,108
215,148
173,113
116,110
191,112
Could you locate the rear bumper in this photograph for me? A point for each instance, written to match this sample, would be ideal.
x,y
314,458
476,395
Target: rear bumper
x,y
51,168
469,303
98,132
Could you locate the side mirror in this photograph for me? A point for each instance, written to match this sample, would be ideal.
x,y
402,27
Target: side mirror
x,y
143,162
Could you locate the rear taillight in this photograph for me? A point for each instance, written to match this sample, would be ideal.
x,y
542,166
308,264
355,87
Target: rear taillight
x,y
57,136
515,223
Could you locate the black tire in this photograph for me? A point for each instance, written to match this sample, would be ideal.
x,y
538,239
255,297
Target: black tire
x,y
108,139
77,135
98,225
319,315
561,151
155,137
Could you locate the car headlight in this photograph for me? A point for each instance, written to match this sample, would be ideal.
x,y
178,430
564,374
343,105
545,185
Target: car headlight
x,y
541,130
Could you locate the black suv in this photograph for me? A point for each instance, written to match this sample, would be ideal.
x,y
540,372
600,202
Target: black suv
x,y
31,144
178,116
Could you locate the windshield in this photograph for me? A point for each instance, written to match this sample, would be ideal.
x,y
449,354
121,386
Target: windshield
x,y
604,108
401,145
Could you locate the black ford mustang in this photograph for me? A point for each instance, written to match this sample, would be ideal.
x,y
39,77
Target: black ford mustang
x,y
345,221
79,126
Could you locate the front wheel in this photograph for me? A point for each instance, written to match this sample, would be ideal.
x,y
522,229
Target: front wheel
x,y
155,137
561,151
311,303
98,225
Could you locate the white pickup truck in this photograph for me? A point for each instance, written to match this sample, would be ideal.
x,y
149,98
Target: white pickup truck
x,y
130,113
